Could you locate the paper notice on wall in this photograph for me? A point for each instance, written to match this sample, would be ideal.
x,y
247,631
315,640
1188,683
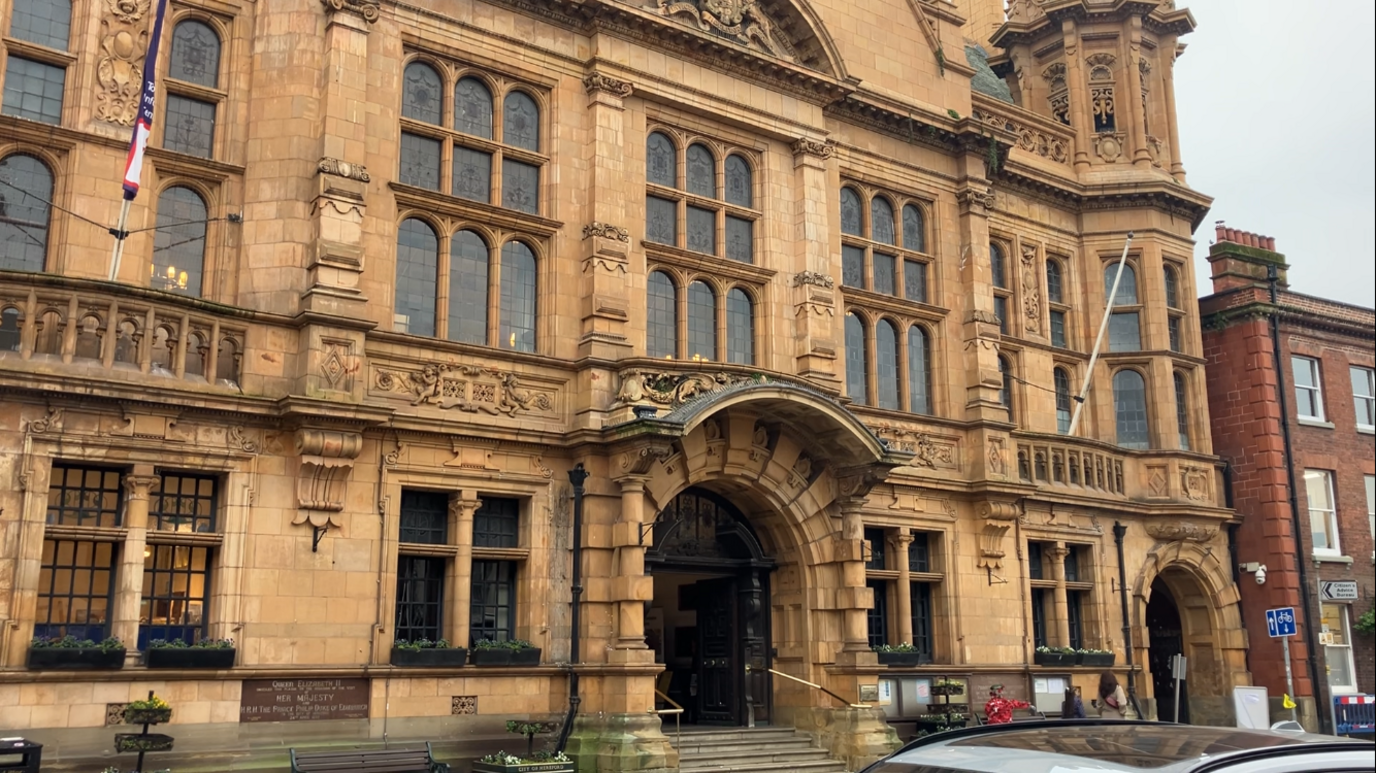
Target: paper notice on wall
x,y
924,689
885,692
1040,685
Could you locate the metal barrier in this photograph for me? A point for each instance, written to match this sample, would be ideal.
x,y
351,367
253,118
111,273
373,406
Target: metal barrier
x,y
1354,714
813,686
677,711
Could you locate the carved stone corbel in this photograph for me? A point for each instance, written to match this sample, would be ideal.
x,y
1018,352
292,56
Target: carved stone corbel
x,y
998,518
822,149
326,461
367,9
640,458
857,482
594,82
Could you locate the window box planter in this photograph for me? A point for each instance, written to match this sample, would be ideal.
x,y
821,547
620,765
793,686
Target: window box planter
x,y
190,657
902,659
489,656
430,657
1097,660
938,722
133,716
948,689
74,658
1057,659
152,742
523,767
529,656
938,709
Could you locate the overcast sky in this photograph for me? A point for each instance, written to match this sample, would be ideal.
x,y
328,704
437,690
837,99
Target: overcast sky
x,y
1276,112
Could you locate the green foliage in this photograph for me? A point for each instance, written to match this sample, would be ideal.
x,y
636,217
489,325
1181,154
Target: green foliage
x,y
145,704
202,644
905,647
1366,623
422,644
954,115
72,643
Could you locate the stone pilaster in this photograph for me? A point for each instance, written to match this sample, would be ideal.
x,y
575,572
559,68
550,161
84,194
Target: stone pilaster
x,y
853,597
124,618
980,329
901,541
461,510
632,587
1172,128
815,348
606,245
1060,616
1079,95
1137,126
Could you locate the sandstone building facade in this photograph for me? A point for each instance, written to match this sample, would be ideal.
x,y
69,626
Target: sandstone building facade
x,y
1302,480
805,286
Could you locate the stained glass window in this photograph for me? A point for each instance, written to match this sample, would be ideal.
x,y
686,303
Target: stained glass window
x,y
421,98
661,165
739,182
520,186
881,220
518,297
996,267
417,269
919,370
662,316
702,171
195,54
473,108
468,287
1124,332
1063,405
914,229
852,266
521,122
24,212
915,280
1055,292
179,242
886,363
1130,409
857,362
420,161
472,174
661,220
190,126
740,239
702,321
885,278
1127,286
740,328
702,230
851,222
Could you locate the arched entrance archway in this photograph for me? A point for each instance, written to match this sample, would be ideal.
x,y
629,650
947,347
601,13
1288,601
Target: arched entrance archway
x,y
1166,639
709,621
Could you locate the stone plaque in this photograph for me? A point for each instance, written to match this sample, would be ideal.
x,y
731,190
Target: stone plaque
x,y
288,700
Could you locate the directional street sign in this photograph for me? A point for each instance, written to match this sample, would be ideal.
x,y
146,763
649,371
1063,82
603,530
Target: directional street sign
x,y
1280,622
1338,590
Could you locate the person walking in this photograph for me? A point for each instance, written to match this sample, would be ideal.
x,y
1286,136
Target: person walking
x,y
1113,704
1072,707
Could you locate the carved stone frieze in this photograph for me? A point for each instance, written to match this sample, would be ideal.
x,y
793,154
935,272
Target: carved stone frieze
x,y
367,9
465,388
239,441
980,315
742,21
926,451
1194,482
857,483
338,168
606,231
119,69
594,82
669,388
813,279
823,149
1031,289
1030,139
49,422
1179,531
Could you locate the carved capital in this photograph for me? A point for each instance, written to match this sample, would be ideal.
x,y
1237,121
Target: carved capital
x,y
137,487
973,199
338,168
368,9
464,508
640,459
824,149
814,279
594,82
606,231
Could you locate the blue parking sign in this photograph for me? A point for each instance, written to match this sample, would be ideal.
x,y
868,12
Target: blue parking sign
x,y
1280,622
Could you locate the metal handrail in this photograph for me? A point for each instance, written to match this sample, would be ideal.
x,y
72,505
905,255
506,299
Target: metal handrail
x,y
813,686
677,711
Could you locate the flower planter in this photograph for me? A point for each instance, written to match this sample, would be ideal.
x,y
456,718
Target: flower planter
x,y
901,659
497,656
936,723
938,709
1057,659
147,716
1097,660
434,657
523,767
529,656
190,657
74,658
152,742
948,689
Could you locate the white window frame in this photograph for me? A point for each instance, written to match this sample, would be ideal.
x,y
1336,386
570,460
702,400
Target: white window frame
x,y
1331,515
1370,481
1345,620
1369,398
1317,389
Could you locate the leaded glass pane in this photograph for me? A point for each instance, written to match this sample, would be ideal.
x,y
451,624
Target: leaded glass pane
x,y
851,221
914,229
420,598
702,230
195,54
661,335
1182,416
190,126
885,277
421,98
1124,332
472,174
919,371
473,108
740,328
1058,329
857,365
702,322
915,280
740,239
1172,279
468,262
886,364
1001,313
420,161
417,272
661,221
45,22
25,186
1130,408
1173,332
661,164
852,266
520,186
1127,286
33,90
424,518
996,267
1006,391
521,121
881,220
1055,292
179,242
702,172
740,188
1062,380
518,297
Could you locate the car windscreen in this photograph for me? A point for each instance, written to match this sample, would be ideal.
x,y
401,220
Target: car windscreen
x,y
1136,746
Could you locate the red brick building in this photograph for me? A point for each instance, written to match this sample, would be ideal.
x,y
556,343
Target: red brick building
x,y
1306,510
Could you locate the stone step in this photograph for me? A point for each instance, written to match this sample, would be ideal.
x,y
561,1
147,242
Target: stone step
x,y
762,734
730,766
760,756
752,750
733,746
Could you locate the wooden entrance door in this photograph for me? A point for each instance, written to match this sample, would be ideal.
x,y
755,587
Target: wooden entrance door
x,y
718,659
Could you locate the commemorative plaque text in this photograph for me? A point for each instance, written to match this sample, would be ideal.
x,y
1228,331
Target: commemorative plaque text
x,y
288,700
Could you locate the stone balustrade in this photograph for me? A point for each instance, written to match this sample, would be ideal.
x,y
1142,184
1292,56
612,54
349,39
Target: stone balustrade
x,y
1035,134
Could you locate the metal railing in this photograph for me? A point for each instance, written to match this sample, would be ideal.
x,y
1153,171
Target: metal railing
x,y
813,686
677,711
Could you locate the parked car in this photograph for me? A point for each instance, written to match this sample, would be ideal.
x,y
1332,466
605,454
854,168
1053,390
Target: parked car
x,y
1108,746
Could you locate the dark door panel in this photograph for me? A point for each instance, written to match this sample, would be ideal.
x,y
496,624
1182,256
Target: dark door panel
x,y
717,657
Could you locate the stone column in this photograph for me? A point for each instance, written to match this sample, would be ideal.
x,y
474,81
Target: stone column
x,y
854,598
1060,616
814,296
1079,95
631,587
1137,128
461,509
1172,129
901,541
129,577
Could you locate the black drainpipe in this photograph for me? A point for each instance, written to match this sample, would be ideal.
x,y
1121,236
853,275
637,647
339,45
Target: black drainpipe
x,y
576,476
1295,523
1120,531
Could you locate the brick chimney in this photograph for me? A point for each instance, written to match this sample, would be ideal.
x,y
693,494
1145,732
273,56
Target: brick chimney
x,y
1240,259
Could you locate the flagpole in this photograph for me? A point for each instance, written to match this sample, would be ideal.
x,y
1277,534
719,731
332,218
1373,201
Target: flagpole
x,y
138,141
1099,341
119,234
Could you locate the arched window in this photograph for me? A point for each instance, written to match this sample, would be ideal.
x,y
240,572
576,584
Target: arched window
x,y
661,165
521,122
518,297
1172,281
25,187
919,370
740,186
1182,412
1125,325
11,329
851,218
417,270
1006,391
473,108
997,274
881,221
740,328
857,361
886,364
1127,286
194,59
914,229
1130,408
661,335
468,277
1055,290
421,95
179,243
702,322
701,171
1063,400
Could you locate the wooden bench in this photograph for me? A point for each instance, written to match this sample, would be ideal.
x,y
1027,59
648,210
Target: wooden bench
x,y
368,761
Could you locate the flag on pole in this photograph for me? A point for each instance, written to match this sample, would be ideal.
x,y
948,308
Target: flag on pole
x,y
143,124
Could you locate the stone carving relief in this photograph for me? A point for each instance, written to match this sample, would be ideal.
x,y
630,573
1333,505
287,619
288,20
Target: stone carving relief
x,y
119,71
1157,149
926,452
339,365
326,461
606,231
1194,481
1156,481
672,389
1031,289
820,149
239,441
49,422
813,279
594,82
759,443
741,21
639,461
368,9
1179,531
466,388
998,518
1030,139
995,455
970,197
1108,147
1101,66
338,168
1055,76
